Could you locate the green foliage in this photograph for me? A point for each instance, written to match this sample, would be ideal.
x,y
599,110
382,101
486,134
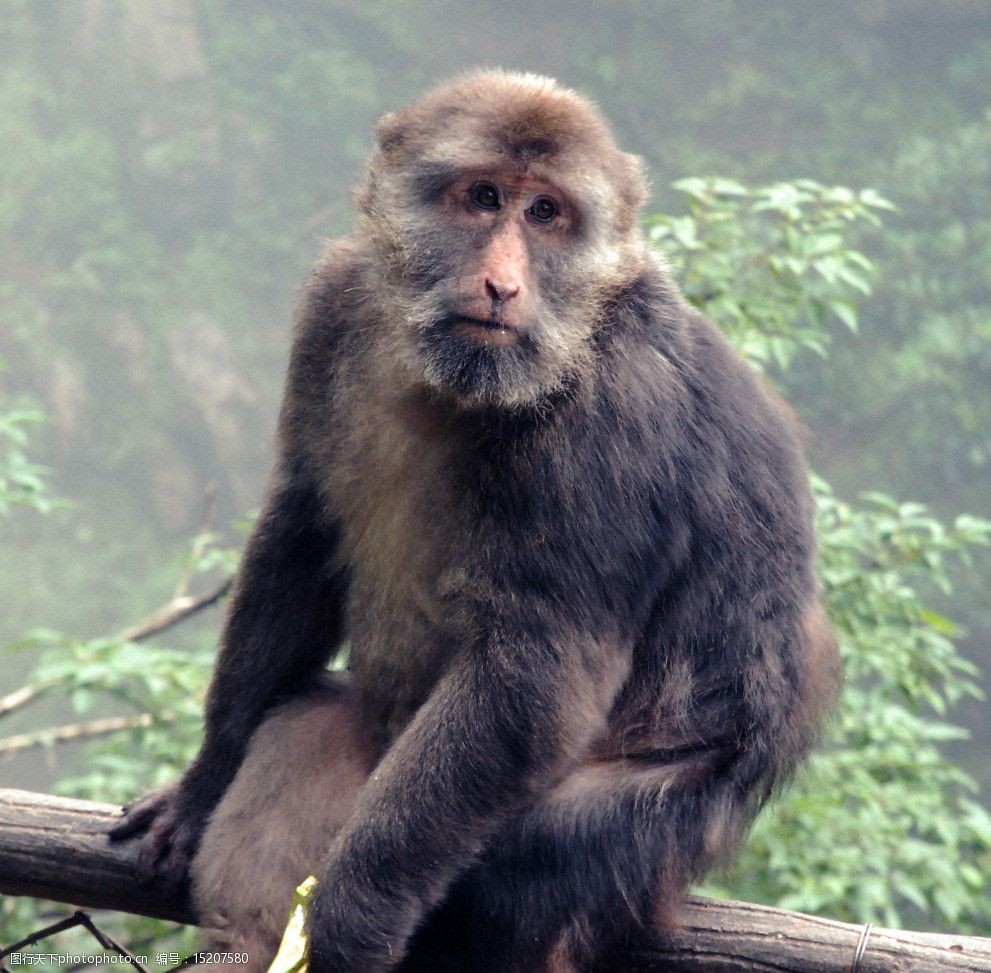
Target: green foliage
x,y
111,675
880,826
21,481
921,372
771,264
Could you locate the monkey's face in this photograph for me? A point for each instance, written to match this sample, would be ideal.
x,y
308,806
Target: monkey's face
x,y
502,277
505,218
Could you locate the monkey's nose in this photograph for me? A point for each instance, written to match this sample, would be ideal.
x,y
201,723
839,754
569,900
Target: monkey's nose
x,y
501,290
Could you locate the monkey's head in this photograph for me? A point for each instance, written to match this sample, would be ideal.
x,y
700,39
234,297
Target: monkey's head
x,y
505,217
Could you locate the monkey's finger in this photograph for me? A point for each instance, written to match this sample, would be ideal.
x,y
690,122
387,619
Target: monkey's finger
x,y
138,815
155,846
173,864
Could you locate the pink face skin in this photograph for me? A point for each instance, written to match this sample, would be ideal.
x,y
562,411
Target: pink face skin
x,y
497,292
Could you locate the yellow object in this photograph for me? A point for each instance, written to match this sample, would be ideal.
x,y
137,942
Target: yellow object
x,y
291,957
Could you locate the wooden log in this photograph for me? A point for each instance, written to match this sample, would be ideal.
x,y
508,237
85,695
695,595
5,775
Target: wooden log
x,y
57,848
741,937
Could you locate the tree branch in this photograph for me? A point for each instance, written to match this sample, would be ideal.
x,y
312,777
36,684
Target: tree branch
x,y
177,609
76,919
21,697
77,731
57,848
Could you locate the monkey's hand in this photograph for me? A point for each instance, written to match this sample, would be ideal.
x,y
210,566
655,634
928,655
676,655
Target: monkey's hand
x,y
171,826
353,927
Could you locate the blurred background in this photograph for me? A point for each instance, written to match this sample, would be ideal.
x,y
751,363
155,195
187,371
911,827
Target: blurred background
x,y
168,170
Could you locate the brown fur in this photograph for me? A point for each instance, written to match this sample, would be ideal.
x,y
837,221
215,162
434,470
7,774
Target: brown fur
x,y
277,818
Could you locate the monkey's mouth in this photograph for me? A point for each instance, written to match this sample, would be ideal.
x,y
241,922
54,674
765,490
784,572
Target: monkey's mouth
x,y
493,334
481,360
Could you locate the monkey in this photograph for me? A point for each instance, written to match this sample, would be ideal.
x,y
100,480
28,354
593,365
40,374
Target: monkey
x,y
568,540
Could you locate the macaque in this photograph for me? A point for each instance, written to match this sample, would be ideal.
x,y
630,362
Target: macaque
x,y
568,539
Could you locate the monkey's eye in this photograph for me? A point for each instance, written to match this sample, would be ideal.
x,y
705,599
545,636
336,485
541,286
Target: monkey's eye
x,y
484,195
543,209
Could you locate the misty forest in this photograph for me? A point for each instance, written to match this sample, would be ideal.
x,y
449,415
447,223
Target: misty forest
x,y
821,188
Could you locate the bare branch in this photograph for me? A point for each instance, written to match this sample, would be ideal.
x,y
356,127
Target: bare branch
x,y
175,611
78,731
21,697
199,542
70,922
76,919
57,848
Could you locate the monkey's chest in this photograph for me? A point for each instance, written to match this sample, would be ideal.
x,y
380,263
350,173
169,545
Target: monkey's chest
x,y
401,640
403,532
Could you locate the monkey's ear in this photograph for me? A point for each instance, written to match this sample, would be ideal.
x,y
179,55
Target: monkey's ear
x,y
635,185
633,191
391,131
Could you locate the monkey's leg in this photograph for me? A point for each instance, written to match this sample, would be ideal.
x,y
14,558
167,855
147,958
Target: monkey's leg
x,y
585,867
296,787
606,854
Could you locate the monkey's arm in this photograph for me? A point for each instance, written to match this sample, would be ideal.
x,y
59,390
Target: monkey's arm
x,y
284,622
509,718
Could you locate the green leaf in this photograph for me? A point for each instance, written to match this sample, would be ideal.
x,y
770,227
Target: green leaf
x,y
846,312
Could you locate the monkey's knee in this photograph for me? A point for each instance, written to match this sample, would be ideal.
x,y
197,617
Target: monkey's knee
x,y
296,788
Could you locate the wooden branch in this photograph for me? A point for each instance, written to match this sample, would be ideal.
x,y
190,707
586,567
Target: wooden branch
x,y
56,848
77,919
177,609
21,697
70,732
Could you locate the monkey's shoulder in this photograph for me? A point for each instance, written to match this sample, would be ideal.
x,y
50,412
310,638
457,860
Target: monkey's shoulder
x,y
717,432
332,325
679,361
334,296
330,302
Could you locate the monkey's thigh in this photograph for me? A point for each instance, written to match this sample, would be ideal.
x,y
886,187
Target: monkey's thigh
x,y
296,788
